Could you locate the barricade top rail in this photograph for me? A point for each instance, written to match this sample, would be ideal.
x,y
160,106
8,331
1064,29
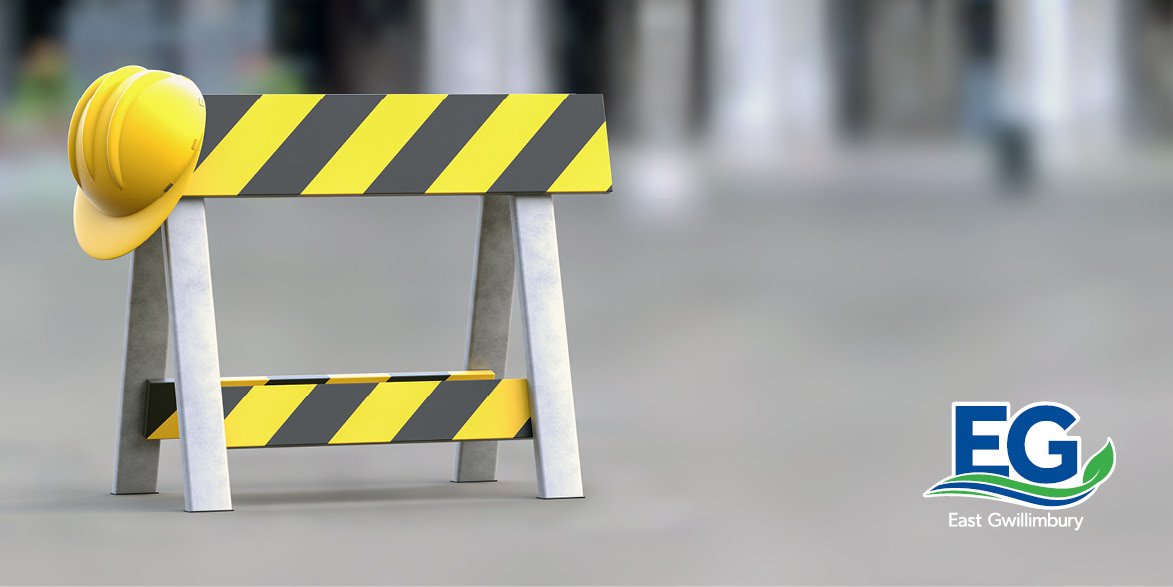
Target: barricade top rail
x,y
402,144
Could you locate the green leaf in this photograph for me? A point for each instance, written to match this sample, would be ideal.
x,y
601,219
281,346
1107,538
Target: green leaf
x,y
1100,466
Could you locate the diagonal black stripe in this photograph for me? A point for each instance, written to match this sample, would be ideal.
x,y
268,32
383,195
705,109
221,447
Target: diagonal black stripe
x,y
160,404
527,430
442,415
307,149
419,377
319,416
297,379
433,146
231,396
223,114
553,147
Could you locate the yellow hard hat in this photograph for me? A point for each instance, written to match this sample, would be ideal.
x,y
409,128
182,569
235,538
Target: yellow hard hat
x,y
134,141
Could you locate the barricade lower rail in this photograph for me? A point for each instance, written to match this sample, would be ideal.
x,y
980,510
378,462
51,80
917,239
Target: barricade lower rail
x,y
367,408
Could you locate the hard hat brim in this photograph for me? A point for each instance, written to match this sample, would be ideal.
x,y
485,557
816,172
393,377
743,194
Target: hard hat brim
x,y
110,237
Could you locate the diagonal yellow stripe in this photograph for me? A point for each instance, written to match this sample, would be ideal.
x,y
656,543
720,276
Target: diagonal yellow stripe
x,y
261,413
368,150
470,375
168,429
359,378
242,381
494,146
384,412
250,143
590,170
501,415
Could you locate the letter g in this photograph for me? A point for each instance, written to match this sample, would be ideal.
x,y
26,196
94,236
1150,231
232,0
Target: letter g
x,y
1067,450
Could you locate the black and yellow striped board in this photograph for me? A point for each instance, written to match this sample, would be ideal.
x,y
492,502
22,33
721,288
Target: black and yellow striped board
x,y
402,144
362,408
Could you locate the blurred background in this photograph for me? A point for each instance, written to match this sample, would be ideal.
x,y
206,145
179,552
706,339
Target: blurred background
x,y
922,88
830,220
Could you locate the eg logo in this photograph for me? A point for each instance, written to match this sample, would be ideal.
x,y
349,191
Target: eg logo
x,y
1027,458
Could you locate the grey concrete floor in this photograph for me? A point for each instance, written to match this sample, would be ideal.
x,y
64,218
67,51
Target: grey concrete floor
x,y
763,385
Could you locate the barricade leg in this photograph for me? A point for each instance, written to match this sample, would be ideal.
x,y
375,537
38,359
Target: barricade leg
x,y
547,352
136,459
490,311
197,363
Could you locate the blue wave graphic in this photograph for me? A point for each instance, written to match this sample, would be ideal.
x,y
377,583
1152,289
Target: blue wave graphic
x,y
1012,494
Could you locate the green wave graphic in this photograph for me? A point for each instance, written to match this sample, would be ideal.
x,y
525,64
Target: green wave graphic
x,y
1095,471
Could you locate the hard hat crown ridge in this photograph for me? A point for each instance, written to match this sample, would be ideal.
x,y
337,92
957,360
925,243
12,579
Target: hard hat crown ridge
x,y
134,140
136,85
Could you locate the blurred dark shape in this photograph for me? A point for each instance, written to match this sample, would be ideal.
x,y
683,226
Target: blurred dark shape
x,y
849,28
300,33
363,46
1146,49
582,44
980,75
1014,157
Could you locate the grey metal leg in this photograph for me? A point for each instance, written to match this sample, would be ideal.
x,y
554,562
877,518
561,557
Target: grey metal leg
x,y
136,459
547,352
488,325
197,361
